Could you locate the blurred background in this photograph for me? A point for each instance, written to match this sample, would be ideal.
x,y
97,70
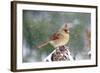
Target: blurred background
x,y
38,26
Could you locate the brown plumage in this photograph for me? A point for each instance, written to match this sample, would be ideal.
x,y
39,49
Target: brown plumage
x,y
60,38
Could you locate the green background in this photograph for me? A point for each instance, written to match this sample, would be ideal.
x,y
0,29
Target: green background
x,y
38,26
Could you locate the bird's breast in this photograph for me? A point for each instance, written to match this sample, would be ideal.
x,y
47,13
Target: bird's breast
x,y
63,39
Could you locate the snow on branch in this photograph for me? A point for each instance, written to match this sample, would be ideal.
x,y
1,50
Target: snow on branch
x,y
59,54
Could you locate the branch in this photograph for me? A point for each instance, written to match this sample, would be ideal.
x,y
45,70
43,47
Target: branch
x,y
59,54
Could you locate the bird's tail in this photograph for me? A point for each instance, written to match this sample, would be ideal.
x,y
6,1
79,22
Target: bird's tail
x,y
43,44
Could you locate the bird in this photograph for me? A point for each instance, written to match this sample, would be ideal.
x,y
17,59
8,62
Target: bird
x,y
59,38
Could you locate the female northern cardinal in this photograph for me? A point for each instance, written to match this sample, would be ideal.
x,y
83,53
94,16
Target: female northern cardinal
x,y
59,38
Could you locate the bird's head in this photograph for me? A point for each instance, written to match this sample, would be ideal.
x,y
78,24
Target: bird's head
x,y
65,28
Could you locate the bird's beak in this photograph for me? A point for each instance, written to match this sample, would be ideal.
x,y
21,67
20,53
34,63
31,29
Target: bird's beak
x,y
68,31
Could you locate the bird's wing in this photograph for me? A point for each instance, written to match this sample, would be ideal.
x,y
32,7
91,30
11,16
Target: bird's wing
x,y
55,36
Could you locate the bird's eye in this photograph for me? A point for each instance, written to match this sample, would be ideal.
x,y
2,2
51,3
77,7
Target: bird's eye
x,y
66,30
